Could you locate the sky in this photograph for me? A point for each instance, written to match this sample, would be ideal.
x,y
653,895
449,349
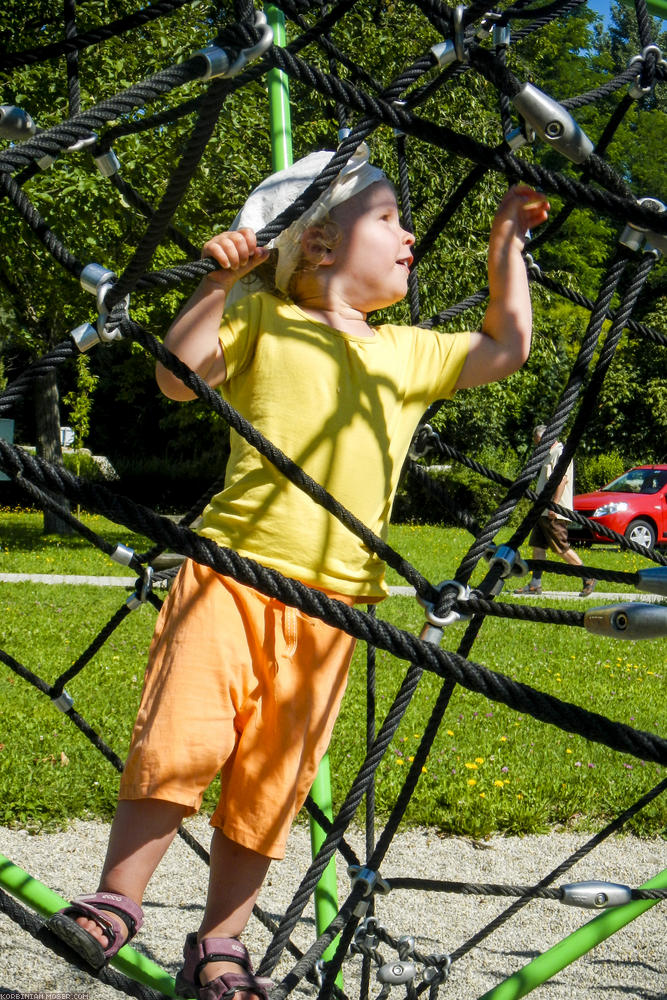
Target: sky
x,y
600,7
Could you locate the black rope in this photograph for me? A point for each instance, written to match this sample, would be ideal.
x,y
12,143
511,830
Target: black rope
x,y
498,889
557,873
612,198
74,43
381,633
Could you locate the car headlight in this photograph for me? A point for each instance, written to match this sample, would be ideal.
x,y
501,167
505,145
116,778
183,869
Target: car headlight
x,y
610,508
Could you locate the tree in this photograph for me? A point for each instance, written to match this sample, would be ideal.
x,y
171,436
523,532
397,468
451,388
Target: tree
x,y
39,303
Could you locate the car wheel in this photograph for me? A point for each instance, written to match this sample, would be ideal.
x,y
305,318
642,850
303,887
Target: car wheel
x,y
641,532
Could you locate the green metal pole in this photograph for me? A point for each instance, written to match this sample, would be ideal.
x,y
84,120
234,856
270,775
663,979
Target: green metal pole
x,y
658,8
326,891
326,894
279,108
45,901
574,946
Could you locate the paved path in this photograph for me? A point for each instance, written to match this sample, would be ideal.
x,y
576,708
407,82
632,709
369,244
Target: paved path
x,y
129,581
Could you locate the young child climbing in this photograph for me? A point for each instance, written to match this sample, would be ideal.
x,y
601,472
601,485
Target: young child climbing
x,y
239,683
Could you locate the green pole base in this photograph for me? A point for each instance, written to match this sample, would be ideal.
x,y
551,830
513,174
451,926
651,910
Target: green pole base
x,y
326,891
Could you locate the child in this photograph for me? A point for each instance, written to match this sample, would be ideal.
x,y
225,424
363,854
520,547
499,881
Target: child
x,y
238,682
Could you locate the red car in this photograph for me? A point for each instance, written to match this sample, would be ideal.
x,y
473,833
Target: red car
x,y
634,505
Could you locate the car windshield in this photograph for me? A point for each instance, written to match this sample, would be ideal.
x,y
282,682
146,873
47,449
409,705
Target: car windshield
x,y
638,481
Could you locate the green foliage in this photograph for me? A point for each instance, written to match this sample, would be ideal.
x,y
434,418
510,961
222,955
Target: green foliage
x,y
79,401
633,398
465,490
593,473
169,486
39,303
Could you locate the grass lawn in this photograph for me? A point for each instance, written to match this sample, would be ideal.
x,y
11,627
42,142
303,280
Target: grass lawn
x,y
490,768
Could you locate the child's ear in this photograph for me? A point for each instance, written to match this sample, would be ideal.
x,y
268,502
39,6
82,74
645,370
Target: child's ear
x,y
315,250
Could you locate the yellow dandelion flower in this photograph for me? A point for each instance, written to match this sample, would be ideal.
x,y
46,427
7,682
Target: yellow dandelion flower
x,y
480,760
472,781
471,767
498,783
450,732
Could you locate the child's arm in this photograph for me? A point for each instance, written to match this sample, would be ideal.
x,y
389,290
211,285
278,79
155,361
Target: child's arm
x,y
503,344
193,336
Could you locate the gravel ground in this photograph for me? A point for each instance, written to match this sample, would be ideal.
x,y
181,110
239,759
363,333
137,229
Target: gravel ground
x,y
630,964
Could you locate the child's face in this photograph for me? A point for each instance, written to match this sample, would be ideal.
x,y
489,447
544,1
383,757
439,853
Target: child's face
x,y
372,261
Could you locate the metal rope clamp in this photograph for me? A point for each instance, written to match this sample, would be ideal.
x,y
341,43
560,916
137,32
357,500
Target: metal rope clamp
x,y
217,60
595,895
106,161
434,621
86,140
509,560
423,442
396,973
532,267
438,969
366,938
122,554
371,882
98,280
636,89
553,123
453,50
653,581
634,237
64,701
143,589
628,621
521,136
487,24
15,123
502,36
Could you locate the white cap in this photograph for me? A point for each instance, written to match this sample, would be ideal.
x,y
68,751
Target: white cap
x,y
275,194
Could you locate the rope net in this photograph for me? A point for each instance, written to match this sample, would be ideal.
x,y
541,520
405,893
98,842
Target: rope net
x,y
398,96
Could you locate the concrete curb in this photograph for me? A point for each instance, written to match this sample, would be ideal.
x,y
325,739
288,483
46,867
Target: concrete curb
x,y
128,583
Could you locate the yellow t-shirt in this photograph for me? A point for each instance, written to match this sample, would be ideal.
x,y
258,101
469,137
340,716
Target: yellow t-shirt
x,y
344,408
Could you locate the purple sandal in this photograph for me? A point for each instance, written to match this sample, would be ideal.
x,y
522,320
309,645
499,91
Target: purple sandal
x,y
198,954
64,925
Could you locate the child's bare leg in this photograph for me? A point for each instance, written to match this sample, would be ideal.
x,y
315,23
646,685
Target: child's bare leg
x,y
141,832
236,876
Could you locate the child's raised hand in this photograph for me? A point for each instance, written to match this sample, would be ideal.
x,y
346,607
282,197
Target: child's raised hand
x,y
236,253
521,209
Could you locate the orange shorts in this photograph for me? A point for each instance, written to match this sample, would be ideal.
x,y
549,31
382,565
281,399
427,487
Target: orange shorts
x,y
241,684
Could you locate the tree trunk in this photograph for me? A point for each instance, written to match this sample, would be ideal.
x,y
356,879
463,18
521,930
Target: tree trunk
x,y
47,425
